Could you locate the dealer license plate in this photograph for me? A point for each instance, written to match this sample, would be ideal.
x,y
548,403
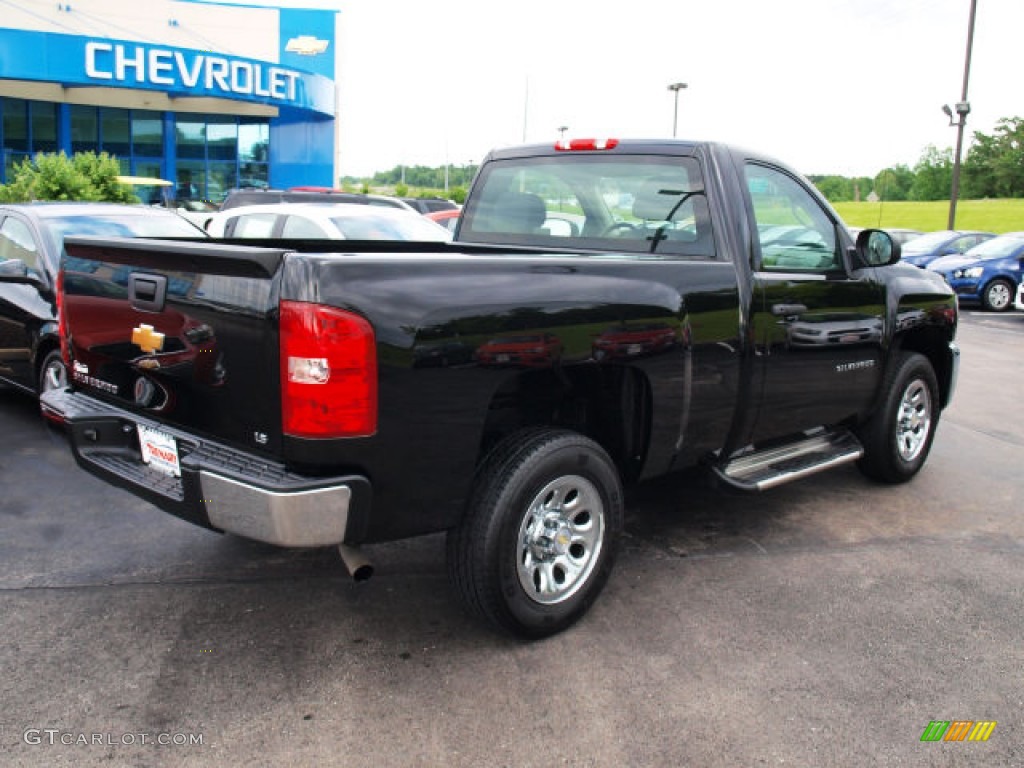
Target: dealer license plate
x,y
159,450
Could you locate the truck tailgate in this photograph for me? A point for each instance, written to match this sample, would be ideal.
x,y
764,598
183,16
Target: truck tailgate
x,y
182,333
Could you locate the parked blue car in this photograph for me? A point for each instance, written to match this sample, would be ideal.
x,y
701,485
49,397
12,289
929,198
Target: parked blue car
x,y
921,251
987,274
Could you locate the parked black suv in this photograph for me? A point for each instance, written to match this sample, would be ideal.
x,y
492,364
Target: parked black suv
x,y
429,204
31,244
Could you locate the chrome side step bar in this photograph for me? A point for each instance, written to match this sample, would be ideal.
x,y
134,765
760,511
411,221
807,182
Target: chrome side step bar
x,y
761,470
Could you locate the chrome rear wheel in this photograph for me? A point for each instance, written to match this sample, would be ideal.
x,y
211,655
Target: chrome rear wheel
x,y
560,539
540,532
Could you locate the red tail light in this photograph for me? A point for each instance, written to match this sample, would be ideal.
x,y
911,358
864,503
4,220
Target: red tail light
x,y
573,145
62,322
328,372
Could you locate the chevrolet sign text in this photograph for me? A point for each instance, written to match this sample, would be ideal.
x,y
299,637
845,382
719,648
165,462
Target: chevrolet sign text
x,y
141,65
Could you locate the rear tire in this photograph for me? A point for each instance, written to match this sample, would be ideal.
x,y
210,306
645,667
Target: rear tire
x,y
540,534
899,436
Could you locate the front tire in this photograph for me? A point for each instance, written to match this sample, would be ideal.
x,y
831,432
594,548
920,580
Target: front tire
x,y
998,296
899,436
540,534
52,373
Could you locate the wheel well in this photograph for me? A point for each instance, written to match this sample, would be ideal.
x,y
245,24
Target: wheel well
x,y
933,343
45,347
609,404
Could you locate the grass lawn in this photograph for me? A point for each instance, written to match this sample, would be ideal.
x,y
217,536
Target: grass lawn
x,y
988,215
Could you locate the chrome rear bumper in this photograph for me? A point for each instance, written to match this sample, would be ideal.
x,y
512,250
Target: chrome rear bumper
x,y
220,487
314,518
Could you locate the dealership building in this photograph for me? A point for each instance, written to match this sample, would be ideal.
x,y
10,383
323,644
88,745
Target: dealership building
x,y
209,95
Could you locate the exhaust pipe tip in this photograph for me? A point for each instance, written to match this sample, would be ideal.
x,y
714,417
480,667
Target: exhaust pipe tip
x,y
356,563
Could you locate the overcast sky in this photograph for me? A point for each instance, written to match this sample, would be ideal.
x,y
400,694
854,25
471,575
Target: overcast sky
x,y
828,86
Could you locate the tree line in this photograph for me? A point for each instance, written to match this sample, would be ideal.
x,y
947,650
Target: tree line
x,y
418,176
993,167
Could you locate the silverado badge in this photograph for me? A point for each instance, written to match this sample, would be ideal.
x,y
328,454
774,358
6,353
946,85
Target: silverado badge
x,y
146,339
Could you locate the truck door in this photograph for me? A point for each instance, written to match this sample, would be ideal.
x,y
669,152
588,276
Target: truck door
x,y
818,327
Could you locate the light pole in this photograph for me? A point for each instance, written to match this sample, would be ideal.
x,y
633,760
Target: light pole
x,y
561,132
962,107
675,88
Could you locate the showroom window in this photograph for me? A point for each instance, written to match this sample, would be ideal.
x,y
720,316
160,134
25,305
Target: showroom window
x,y
134,136
214,153
147,143
253,154
27,127
85,129
116,136
218,153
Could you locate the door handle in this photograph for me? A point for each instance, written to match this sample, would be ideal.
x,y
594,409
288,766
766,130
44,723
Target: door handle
x,y
147,292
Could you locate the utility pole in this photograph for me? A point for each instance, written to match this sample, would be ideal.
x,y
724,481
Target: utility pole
x,y
963,107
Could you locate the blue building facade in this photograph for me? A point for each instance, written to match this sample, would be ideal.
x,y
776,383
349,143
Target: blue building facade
x,y
209,120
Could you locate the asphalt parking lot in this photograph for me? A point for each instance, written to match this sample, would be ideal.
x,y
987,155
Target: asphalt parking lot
x,y
825,623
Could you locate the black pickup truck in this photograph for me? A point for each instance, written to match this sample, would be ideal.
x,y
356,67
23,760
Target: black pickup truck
x,y
609,311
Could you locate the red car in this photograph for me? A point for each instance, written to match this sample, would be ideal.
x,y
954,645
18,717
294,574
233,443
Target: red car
x,y
538,350
447,219
622,341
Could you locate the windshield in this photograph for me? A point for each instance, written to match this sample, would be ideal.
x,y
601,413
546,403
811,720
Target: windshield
x,y
625,203
120,225
927,242
151,194
141,223
996,248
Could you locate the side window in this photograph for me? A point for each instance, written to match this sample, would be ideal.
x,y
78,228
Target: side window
x,y
254,225
301,227
965,243
16,242
794,231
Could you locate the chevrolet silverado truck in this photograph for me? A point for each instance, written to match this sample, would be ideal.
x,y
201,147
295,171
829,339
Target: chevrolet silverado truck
x,y
608,312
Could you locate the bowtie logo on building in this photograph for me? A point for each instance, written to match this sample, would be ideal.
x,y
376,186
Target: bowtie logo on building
x,y
306,45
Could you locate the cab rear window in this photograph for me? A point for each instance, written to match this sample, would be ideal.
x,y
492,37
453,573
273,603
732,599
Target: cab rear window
x,y
624,204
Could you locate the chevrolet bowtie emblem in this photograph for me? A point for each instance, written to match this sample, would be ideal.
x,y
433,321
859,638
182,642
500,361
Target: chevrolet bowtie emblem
x,y
306,45
146,339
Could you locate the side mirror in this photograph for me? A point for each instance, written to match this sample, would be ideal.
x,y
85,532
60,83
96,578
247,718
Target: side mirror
x,y
13,268
17,271
876,248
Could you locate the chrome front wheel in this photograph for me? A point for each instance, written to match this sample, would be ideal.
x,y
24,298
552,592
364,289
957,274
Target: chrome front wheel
x,y
914,422
899,435
52,373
